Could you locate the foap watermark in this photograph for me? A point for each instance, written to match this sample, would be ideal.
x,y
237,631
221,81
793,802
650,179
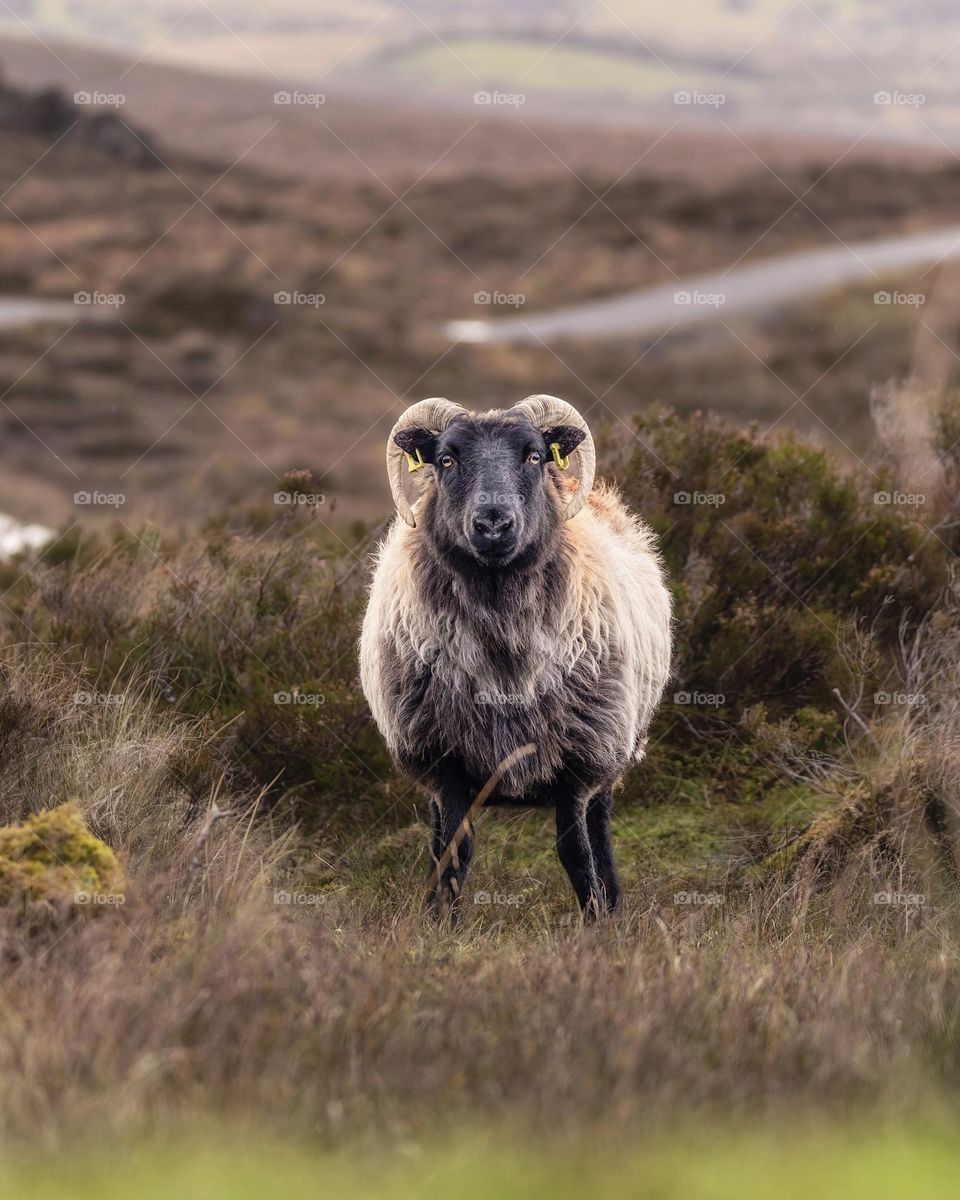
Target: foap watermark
x,y
711,499
906,499
300,499
300,299
900,299
700,99
900,899
100,499
697,299
505,899
300,699
700,699
503,499
104,99
99,899
104,299
297,899
503,299
698,899
300,99
897,99
500,99
98,699
907,699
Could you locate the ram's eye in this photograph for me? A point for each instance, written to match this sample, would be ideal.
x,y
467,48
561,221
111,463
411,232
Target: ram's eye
x,y
534,457
447,460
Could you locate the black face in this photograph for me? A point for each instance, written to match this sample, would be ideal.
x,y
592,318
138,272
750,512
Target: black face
x,y
492,501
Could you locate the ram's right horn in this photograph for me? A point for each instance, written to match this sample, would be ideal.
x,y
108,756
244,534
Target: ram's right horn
x,y
435,415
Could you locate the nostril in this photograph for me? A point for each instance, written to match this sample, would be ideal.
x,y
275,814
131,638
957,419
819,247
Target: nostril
x,y
492,524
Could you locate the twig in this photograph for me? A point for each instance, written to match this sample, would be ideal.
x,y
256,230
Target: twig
x,y
483,796
214,814
855,716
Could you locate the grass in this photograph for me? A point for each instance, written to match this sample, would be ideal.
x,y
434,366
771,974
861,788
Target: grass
x,y
854,1164
520,66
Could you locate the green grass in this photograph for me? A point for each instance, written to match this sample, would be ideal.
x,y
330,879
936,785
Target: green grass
x,y
480,62
849,1166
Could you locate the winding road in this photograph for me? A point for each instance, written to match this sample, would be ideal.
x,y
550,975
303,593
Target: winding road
x,y
16,311
756,287
16,536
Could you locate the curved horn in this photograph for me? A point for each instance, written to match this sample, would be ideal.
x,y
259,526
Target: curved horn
x,y
435,414
545,411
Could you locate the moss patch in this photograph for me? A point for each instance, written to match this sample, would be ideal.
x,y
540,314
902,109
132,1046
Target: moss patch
x,y
53,861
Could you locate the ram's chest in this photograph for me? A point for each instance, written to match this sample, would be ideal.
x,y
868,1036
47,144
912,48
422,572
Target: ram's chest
x,y
485,674
482,694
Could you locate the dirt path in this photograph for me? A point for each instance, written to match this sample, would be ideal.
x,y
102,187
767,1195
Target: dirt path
x,y
16,311
753,288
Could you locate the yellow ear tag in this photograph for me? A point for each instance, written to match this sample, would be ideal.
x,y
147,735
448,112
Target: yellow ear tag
x,y
562,461
414,464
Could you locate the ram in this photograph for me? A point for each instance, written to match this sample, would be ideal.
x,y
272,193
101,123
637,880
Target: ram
x,y
513,606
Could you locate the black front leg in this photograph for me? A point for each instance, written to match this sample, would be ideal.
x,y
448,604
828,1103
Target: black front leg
x,y
452,845
599,811
573,844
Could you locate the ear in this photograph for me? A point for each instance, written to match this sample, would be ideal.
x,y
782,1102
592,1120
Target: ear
x,y
412,440
569,438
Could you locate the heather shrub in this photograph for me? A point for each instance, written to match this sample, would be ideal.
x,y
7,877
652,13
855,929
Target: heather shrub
x,y
251,633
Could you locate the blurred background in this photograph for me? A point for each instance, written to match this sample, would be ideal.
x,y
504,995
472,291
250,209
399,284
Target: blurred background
x,y
238,238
